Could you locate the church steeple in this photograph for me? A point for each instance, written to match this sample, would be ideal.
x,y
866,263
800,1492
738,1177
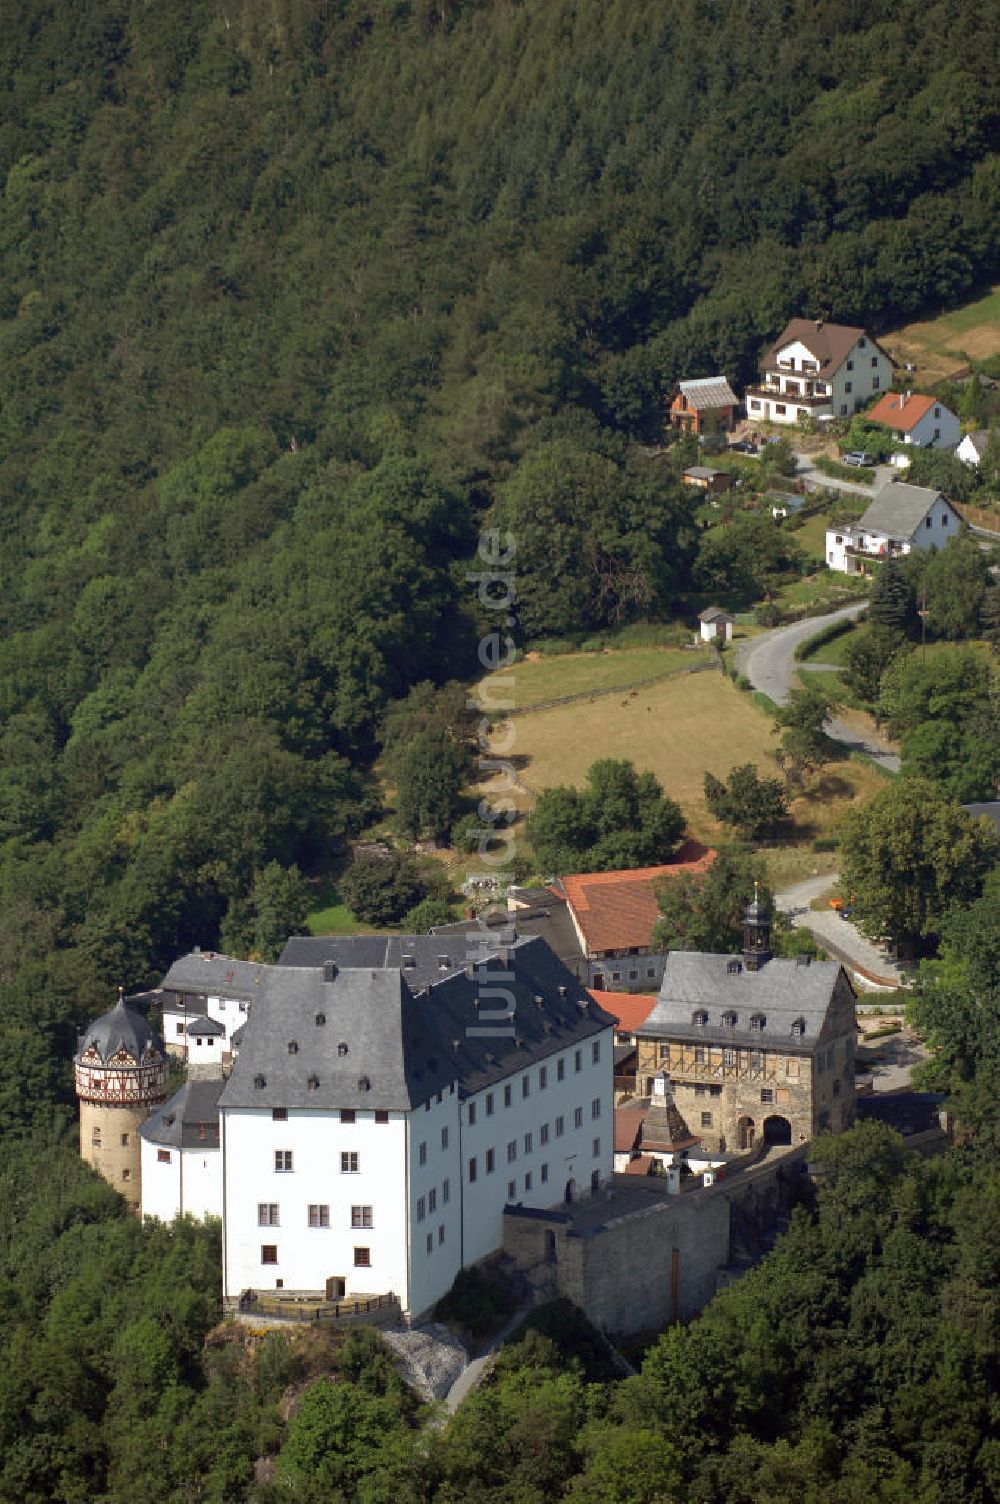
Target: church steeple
x,y
756,933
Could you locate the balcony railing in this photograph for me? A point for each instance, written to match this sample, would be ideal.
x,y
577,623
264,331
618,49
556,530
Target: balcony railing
x,y
801,399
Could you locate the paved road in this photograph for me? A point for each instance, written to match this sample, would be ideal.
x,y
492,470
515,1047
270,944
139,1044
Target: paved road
x,y
805,470
770,664
843,939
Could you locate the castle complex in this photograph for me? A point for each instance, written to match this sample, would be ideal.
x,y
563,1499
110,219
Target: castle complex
x,y
367,1115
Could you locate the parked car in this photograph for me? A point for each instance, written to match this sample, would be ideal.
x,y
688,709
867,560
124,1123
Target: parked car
x,y
858,457
743,446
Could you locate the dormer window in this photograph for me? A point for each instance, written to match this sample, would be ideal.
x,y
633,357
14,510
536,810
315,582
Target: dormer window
x,y
342,1048
259,1082
758,1021
798,1028
729,1020
700,1018
293,1048
733,968
364,1083
313,1083
320,1020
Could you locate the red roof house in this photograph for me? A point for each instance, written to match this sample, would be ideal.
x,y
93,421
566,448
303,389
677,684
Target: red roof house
x,y
614,912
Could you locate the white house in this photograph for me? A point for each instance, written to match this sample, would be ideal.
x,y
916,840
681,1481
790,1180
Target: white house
x,y
916,419
380,1116
818,370
181,1160
206,985
901,518
973,447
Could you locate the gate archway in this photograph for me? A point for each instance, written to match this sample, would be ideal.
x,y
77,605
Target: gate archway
x,y
777,1130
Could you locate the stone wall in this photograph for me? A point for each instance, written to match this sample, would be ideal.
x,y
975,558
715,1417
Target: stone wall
x,y
109,1141
635,1258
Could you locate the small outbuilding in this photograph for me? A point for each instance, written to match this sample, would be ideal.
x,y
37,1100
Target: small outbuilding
x,y
706,478
716,625
706,405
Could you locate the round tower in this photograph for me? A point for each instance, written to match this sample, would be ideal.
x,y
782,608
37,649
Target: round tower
x,y
121,1075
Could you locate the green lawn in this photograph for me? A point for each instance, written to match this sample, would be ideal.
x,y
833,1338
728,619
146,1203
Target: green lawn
x,y
938,346
834,651
537,680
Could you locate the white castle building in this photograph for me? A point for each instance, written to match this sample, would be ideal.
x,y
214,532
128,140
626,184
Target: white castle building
x,y
386,1101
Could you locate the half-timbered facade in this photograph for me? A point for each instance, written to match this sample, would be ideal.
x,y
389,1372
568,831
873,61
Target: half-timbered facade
x,y
754,1047
121,1075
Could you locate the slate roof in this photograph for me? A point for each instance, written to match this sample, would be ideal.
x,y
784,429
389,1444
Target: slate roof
x,y
211,974
121,1028
203,1025
899,509
783,991
617,910
448,948
708,392
180,1122
829,344
900,410
387,1043
549,919
713,613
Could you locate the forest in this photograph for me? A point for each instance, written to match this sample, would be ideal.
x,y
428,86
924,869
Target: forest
x,y
296,298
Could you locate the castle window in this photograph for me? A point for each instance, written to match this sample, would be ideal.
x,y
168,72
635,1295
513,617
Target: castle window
x,y
766,1095
700,1018
259,1082
95,1138
758,1021
729,1020
269,1253
700,1055
361,1216
319,1215
362,1258
364,1083
279,1114
756,1060
126,1174
381,1117
733,968
350,1163
163,1156
798,1028
320,1020
283,1160
313,1083
706,1120
342,1048
267,1214
729,1057
293,1048
348,1115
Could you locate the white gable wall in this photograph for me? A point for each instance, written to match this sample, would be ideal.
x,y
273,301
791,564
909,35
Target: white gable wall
x,y
308,1256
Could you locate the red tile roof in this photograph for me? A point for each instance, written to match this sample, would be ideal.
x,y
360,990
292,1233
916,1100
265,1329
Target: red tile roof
x,y
617,910
900,411
642,1165
628,1127
631,1009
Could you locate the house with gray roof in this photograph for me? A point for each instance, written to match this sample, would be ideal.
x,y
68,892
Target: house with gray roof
x,y
755,1047
386,1104
181,1158
901,518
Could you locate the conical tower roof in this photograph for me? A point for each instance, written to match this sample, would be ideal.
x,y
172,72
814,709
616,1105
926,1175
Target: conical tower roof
x,y
121,1028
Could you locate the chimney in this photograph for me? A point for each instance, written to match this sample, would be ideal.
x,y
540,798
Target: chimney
x,y
329,971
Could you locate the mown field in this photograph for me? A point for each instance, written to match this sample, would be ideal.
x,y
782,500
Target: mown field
x,y
939,347
534,680
678,729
